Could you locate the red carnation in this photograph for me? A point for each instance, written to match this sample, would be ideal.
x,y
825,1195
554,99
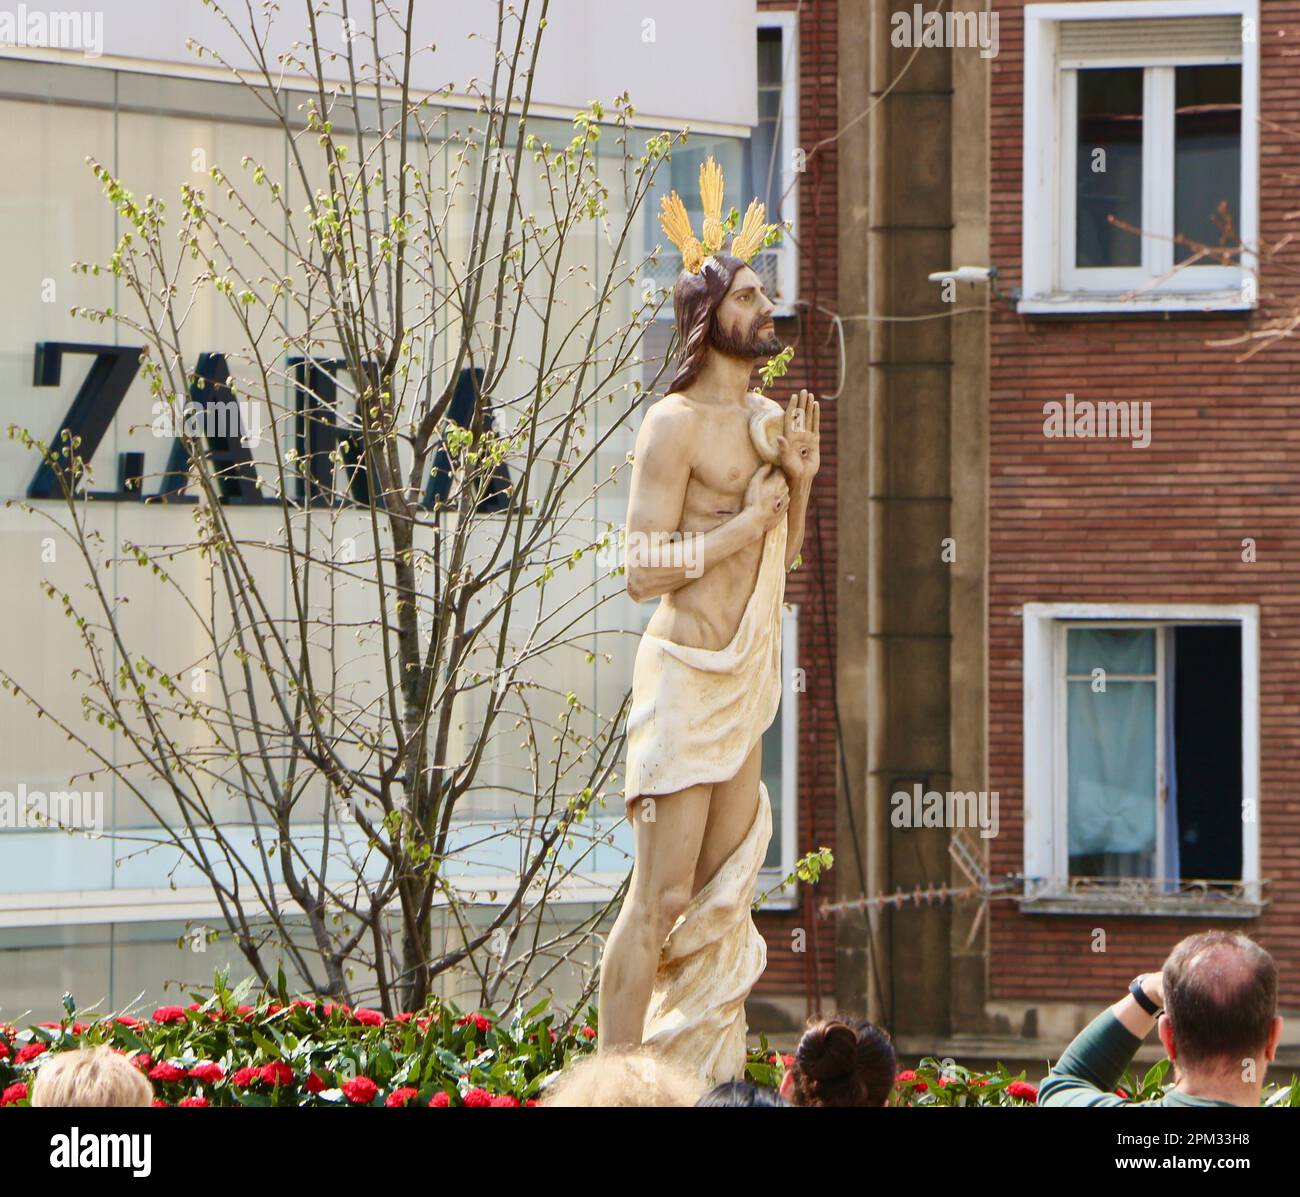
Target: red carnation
x,y
1122,1092
588,1032
481,1024
1023,1091
127,1021
360,1089
314,1083
169,1014
404,1016
505,1100
79,1028
142,1061
908,1077
245,1077
302,1004
532,1101
30,1052
4,1051
399,1097
207,1071
166,1072
193,1006
15,1093
274,1008
369,1018
53,1026
193,1101
478,1098
440,1099
158,1103
277,1073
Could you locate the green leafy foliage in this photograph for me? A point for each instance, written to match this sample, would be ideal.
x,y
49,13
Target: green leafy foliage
x,y
231,1048
236,1048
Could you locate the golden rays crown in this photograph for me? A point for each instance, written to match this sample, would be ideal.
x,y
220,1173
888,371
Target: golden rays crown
x,y
676,224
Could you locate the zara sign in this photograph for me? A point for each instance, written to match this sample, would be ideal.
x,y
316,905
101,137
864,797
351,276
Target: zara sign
x,y
228,428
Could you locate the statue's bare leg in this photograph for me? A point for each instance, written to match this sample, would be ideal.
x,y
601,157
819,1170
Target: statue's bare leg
x,y
731,815
667,850
693,832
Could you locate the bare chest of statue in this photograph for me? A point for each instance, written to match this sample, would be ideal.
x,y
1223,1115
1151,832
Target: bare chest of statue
x,y
706,612
724,462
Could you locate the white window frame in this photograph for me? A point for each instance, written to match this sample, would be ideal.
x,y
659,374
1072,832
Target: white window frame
x,y
787,270
787,897
1046,841
1051,284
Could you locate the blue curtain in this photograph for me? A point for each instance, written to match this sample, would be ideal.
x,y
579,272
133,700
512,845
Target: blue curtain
x,y
1112,755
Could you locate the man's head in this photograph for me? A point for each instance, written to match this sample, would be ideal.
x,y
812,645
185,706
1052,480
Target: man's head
x,y
1220,992
721,309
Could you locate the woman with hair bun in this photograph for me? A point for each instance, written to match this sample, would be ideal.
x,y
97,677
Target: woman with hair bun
x,y
841,1062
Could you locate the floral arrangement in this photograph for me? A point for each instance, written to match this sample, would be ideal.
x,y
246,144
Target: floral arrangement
x,y
231,1049
226,1050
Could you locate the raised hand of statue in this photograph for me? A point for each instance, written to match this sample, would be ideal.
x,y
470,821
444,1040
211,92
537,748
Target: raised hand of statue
x,y
800,440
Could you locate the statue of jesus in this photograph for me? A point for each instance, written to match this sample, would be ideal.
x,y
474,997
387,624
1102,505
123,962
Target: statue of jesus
x,y
720,484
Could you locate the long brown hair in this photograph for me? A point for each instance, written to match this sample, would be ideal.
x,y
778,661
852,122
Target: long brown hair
x,y
843,1063
696,298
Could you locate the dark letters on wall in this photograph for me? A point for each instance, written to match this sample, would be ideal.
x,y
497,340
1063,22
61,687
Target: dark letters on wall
x,y
317,432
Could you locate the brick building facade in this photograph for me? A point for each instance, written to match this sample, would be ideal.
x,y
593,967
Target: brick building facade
x,y
1176,522
1180,543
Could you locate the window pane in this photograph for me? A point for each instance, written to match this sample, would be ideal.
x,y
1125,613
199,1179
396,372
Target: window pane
x,y
1116,650
1112,779
773,762
1109,167
769,57
765,156
1207,159
1206,760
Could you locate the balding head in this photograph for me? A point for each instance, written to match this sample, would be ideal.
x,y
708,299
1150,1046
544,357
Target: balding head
x,y
1221,998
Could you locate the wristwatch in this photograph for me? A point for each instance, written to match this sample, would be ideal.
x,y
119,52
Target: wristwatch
x,y
1140,996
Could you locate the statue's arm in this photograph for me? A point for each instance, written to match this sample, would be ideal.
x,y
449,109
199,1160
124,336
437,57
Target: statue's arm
x,y
661,468
799,493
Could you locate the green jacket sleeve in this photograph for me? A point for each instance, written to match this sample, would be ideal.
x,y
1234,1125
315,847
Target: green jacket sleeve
x,y
1091,1067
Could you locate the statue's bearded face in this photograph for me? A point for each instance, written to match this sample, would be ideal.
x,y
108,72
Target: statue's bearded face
x,y
742,325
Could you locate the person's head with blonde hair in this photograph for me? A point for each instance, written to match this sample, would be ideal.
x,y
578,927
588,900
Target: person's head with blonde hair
x,y
90,1076
623,1079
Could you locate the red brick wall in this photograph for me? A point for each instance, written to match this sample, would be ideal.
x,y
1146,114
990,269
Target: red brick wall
x,y
1074,520
815,366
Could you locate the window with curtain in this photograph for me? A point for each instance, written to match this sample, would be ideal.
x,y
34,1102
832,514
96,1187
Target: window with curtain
x,y
1153,752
